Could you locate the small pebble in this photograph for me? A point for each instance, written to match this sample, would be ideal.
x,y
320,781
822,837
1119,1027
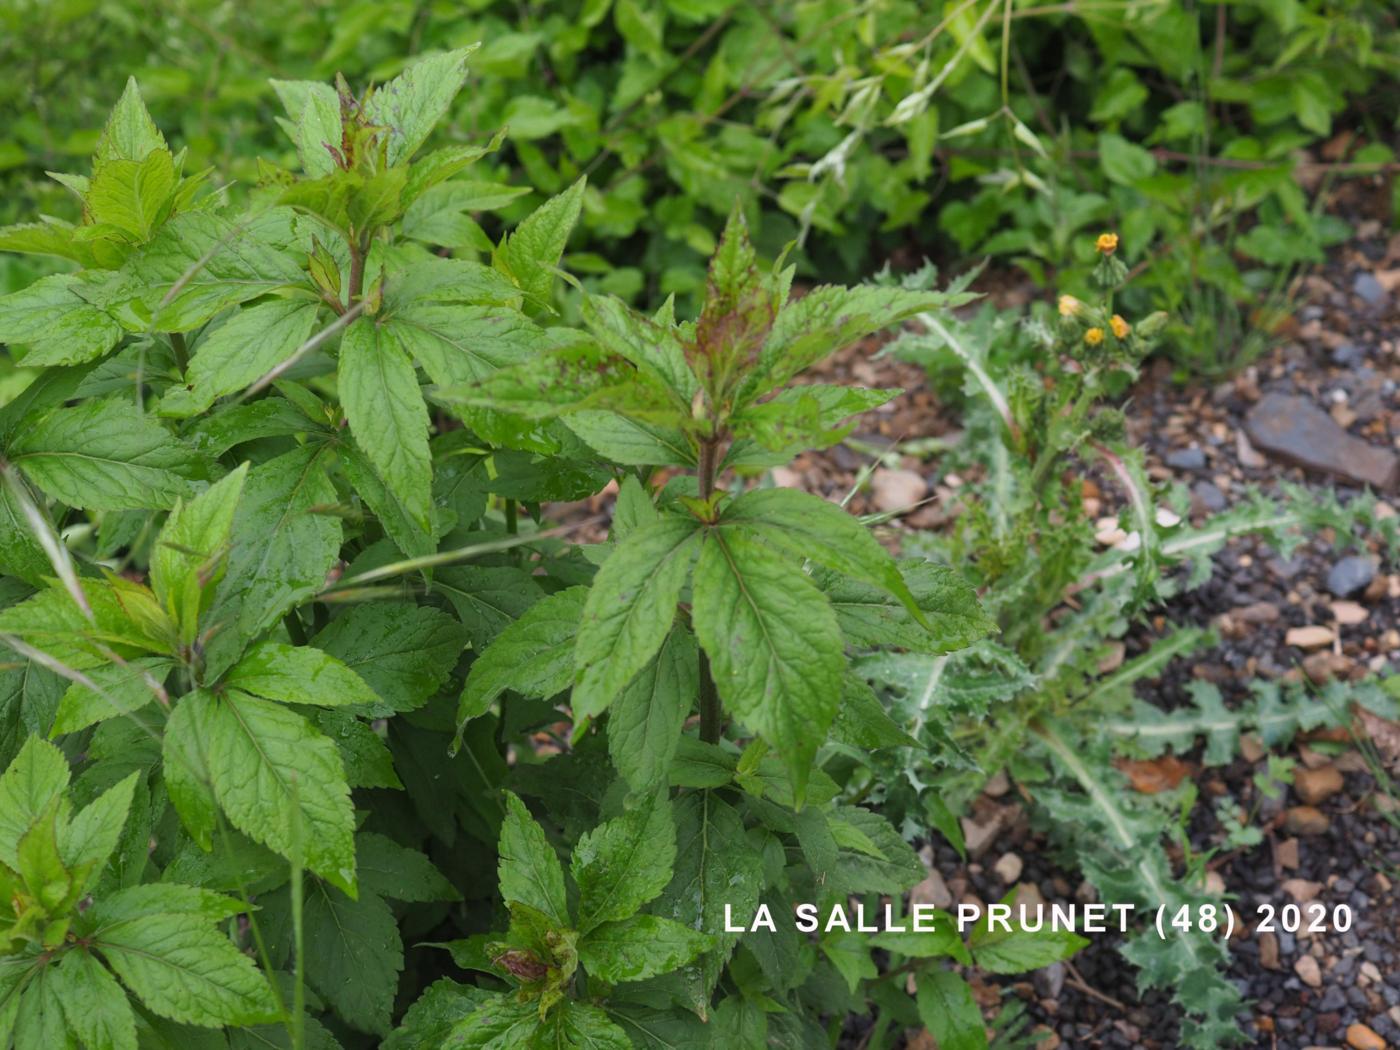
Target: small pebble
x,y
1305,820
1360,1037
1308,971
1317,785
1350,575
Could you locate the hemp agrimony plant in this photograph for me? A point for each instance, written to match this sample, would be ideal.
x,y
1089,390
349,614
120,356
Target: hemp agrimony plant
x,y
735,603
286,660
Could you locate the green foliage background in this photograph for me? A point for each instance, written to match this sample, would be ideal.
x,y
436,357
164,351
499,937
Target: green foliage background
x,y
271,453
1175,121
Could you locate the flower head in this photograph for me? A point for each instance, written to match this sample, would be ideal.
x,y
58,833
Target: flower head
x,y
1094,336
1120,327
1107,243
1070,306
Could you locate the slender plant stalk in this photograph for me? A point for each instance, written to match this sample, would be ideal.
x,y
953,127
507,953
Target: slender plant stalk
x,y
710,716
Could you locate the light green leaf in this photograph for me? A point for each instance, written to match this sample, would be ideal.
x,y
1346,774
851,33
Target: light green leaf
x,y
279,780
94,1004
188,559
130,133
808,526
39,1020
631,442
133,195
774,646
122,689
414,101
630,609
653,348
199,264
530,253
830,317
431,1018
241,351
1020,951
282,550
580,1026
299,675
644,723
871,619
503,1023
715,865
457,343
151,899
186,970
529,870
379,390
622,864
407,534
948,1010
186,771
533,656
58,326
37,776
106,455
639,947
313,122
87,843
1124,162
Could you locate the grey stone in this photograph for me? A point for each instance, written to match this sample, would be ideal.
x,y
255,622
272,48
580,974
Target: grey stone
x,y
1294,429
1370,289
1348,355
1349,576
1209,497
1186,459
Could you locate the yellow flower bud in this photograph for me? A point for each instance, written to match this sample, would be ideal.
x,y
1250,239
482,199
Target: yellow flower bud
x,y
1120,327
1107,243
1070,306
1094,336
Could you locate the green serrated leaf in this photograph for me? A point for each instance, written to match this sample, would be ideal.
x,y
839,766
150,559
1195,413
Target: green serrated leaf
x,y
529,870
379,389
411,104
630,608
298,675
278,780
645,721
774,646
58,325
533,656
106,455
189,555
623,863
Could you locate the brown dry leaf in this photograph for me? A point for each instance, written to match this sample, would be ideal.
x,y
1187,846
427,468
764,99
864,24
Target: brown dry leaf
x,y
1382,732
1153,776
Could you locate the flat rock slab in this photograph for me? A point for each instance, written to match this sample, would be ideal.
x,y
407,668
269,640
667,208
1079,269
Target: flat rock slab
x,y
1294,429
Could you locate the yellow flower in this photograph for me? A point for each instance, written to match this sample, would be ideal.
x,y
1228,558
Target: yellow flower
x,y
1070,306
1120,327
1094,336
1107,243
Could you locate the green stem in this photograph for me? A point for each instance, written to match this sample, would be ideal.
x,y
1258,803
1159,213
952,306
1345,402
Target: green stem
x,y
512,516
711,717
358,251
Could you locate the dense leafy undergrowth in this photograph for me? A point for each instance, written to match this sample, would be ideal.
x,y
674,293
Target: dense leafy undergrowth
x,y
980,126
318,736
